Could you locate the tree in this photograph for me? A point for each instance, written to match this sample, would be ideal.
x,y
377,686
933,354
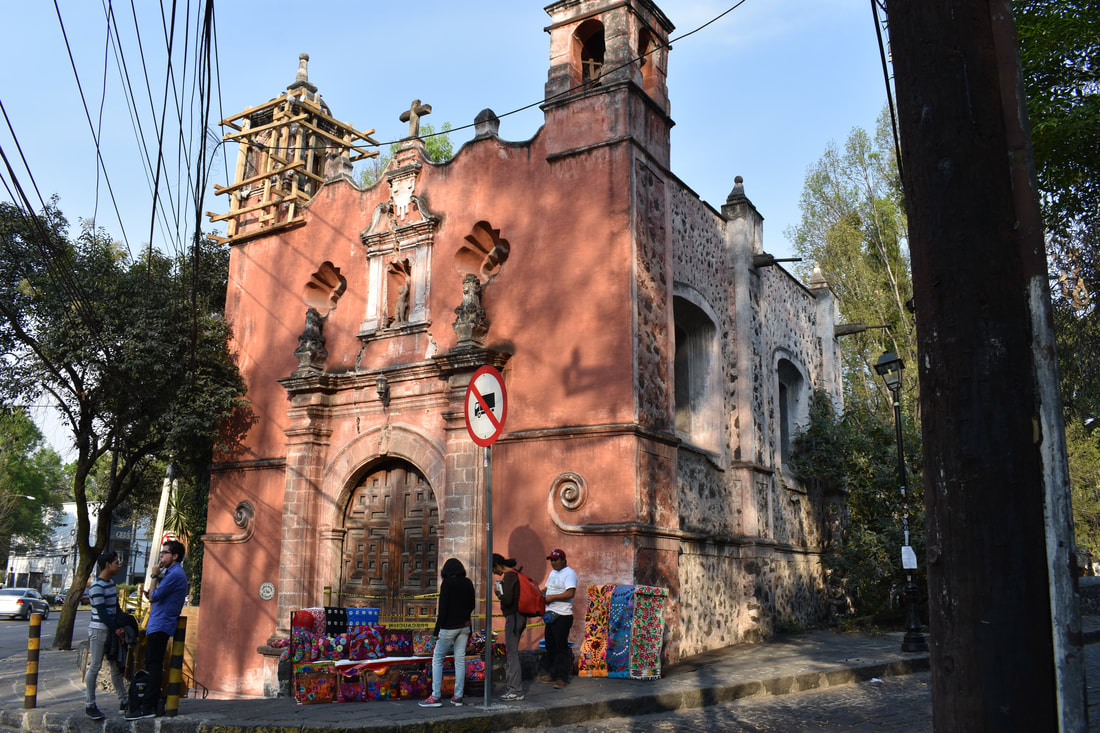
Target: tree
x,y
853,227
856,454
1059,43
133,356
31,482
437,146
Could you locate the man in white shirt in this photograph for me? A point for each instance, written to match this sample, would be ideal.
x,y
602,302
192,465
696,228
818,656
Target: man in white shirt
x,y
561,586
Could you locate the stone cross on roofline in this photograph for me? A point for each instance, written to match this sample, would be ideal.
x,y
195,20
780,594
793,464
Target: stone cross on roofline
x,y
412,116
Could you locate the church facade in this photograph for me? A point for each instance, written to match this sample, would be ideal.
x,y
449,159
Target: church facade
x,y
657,360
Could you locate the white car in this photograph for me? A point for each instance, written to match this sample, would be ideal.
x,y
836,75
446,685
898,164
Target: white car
x,y
22,602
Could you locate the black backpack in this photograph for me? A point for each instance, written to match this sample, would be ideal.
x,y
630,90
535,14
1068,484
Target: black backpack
x,y
139,690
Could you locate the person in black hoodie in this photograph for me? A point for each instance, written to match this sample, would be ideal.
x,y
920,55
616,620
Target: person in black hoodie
x,y
507,591
452,630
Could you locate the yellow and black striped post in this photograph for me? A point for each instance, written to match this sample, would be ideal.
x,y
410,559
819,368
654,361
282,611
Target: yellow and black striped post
x,y
175,670
30,699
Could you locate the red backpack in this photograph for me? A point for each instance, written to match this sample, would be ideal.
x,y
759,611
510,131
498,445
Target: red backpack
x,y
531,600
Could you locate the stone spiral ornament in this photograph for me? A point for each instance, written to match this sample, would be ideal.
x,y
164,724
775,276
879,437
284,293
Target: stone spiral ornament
x,y
571,490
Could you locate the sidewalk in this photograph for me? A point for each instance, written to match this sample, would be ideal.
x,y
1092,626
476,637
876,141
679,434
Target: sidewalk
x,y
782,665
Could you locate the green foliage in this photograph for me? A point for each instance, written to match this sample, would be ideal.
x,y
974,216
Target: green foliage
x,y
856,453
31,484
437,146
853,227
132,354
1083,448
1059,43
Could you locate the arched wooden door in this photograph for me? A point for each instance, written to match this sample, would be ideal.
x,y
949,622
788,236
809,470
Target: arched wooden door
x,y
392,522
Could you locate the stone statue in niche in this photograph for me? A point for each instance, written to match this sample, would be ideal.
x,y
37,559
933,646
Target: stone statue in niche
x,y
470,324
311,350
401,307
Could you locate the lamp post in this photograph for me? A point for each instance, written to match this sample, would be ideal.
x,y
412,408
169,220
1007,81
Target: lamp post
x,y
889,367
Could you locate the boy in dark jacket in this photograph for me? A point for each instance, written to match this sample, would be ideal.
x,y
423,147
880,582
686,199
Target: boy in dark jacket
x,y
452,630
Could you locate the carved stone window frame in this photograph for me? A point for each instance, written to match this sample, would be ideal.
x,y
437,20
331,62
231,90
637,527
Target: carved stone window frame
x,y
384,246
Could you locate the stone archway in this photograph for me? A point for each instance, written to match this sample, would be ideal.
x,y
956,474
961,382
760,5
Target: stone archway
x,y
391,525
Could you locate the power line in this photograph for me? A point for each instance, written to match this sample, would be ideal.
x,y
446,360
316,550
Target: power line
x,y
91,127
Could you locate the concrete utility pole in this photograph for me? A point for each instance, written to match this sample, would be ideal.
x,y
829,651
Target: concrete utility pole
x,y
1005,628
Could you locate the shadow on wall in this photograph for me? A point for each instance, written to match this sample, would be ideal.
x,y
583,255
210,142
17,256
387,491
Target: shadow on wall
x,y
528,550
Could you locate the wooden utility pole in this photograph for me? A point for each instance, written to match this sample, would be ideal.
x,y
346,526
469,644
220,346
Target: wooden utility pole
x,y
1004,626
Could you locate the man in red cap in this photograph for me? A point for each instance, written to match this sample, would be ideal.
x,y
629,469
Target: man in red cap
x,y
561,585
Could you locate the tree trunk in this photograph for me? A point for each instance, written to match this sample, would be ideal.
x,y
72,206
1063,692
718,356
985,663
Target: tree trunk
x,y
1005,643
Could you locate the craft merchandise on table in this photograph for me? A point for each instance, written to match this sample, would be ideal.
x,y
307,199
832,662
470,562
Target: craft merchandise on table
x,y
345,655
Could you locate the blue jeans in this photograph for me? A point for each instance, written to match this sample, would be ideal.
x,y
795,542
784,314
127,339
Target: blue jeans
x,y
97,645
450,639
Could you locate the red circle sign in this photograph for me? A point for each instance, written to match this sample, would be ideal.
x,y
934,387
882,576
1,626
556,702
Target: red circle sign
x,y
486,406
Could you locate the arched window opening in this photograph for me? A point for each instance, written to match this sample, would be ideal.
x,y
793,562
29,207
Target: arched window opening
x,y
590,47
697,394
792,407
647,60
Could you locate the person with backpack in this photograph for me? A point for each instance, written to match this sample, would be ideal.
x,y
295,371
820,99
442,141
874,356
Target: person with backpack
x,y
103,595
507,591
561,586
452,630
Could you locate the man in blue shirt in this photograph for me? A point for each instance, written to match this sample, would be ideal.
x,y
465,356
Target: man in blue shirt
x,y
167,594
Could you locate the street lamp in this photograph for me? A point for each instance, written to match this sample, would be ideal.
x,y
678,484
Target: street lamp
x,y
889,367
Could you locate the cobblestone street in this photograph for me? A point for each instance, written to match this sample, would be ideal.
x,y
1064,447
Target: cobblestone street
x,y
896,704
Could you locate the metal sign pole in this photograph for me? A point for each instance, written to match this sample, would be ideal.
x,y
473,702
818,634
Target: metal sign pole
x,y
488,573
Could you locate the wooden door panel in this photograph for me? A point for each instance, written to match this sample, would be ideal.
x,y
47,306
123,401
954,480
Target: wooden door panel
x,y
391,542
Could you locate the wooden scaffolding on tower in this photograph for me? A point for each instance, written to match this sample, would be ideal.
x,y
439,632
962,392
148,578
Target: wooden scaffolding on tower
x,y
287,146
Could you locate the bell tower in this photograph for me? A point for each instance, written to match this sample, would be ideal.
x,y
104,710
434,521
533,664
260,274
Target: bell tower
x,y
289,147
610,59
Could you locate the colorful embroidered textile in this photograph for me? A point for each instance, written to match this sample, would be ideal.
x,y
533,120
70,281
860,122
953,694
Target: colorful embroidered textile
x,y
646,632
593,661
618,641
361,616
336,620
623,632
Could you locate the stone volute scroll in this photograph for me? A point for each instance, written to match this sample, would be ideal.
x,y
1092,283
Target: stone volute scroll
x,y
470,325
311,350
243,516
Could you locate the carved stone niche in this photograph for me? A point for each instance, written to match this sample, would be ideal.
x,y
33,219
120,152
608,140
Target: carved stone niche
x,y
398,247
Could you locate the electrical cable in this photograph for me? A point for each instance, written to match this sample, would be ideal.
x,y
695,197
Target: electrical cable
x,y
91,127
889,94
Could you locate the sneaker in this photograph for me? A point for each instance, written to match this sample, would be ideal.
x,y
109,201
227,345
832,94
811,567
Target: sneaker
x,y
456,701
139,715
94,713
431,702
512,696
545,677
560,684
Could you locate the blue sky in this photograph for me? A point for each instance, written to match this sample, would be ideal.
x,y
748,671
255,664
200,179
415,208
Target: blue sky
x,y
759,93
